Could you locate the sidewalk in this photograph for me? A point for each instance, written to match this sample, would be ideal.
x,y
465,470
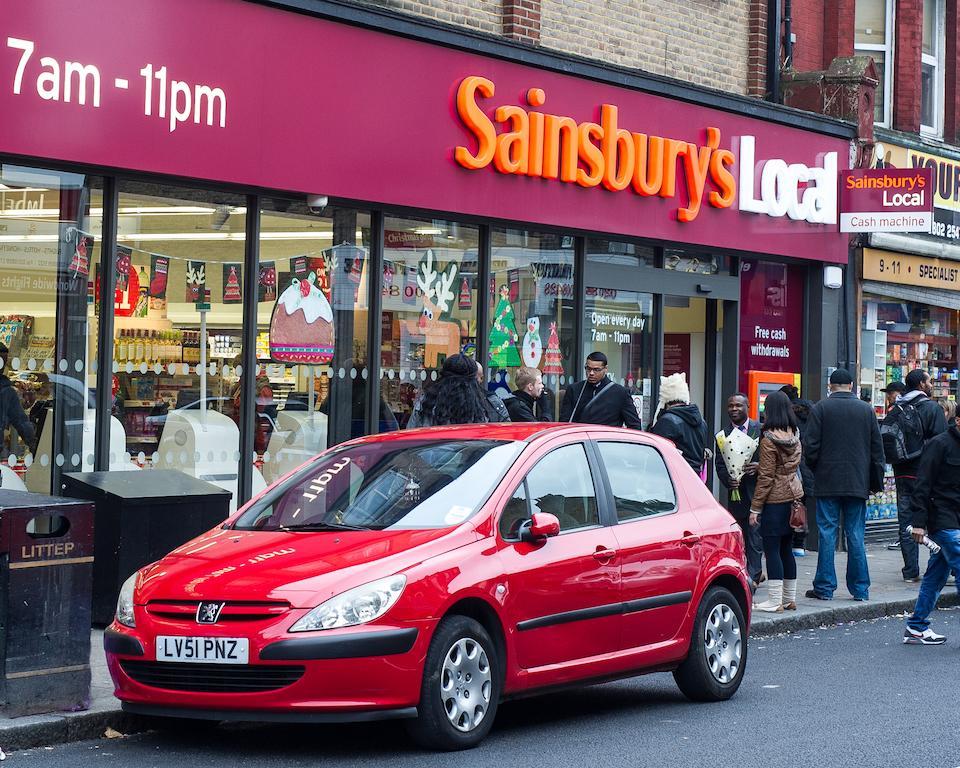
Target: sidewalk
x,y
889,595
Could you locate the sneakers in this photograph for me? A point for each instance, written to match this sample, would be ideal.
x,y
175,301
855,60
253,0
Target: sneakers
x,y
927,637
799,552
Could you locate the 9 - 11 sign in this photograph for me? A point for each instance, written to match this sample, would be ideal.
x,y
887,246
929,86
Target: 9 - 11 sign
x,y
886,200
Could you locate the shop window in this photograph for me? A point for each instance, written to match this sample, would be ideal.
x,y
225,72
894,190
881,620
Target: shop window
x,y
50,231
603,251
531,310
696,262
931,68
429,305
874,37
620,324
178,313
313,365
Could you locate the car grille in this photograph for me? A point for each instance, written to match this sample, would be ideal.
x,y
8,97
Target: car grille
x,y
212,678
186,610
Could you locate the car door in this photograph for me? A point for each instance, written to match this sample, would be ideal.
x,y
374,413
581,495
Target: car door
x,y
657,539
563,594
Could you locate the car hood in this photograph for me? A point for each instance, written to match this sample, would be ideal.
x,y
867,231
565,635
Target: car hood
x,y
302,568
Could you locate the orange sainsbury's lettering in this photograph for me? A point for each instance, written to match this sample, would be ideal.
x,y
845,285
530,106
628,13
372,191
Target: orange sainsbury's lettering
x,y
522,140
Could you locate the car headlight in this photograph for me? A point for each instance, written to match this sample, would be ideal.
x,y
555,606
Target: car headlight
x,y
125,603
356,606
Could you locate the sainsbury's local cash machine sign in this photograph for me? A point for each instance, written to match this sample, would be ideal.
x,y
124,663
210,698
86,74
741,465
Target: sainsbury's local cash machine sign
x,y
886,200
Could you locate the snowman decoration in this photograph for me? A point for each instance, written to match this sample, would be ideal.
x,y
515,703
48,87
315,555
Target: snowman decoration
x,y
532,345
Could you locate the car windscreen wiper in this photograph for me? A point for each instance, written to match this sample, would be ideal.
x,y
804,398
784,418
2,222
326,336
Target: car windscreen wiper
x,y
322,527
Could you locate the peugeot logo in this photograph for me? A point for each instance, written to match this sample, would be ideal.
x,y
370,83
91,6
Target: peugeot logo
x,y
208,613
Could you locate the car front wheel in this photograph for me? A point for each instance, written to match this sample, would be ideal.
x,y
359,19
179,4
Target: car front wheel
x,y
461,687
714,666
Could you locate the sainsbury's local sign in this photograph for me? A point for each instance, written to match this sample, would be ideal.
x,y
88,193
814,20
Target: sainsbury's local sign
x,y
886,200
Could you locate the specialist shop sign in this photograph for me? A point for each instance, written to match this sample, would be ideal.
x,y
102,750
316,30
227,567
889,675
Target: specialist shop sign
x,y
242,93
886,200
905,269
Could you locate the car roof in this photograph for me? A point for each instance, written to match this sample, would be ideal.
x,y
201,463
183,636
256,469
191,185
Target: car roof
x,y
523,431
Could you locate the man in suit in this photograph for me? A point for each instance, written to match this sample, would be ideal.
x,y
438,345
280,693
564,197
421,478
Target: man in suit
x,y
598,399
845,453
738,408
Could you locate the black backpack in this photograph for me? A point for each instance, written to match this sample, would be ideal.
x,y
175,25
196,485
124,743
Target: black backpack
x,y
902,433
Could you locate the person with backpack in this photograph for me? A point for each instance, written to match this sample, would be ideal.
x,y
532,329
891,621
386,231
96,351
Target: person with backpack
x,y
910,424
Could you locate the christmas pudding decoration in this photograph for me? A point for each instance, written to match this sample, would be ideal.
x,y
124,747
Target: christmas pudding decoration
x,y
503,334
532,345
231,284
301,328
553,362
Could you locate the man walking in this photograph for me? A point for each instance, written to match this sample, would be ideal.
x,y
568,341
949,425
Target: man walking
x,y
891,392
738,408
845,454
524,403
936,512
920,419
598,400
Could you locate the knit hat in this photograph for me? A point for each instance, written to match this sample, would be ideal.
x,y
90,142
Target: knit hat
x,y
673,388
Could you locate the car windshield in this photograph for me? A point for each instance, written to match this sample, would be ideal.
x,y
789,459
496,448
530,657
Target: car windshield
x,y
408,484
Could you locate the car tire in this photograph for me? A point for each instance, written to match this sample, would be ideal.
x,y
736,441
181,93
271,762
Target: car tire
x,y
462,667
715,665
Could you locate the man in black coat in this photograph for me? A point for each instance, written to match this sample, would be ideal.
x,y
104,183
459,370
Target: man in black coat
x,y
933,422
844,451
525,402
598,400
738,408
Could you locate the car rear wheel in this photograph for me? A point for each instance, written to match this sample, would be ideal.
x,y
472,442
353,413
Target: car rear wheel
x,y
461,687
714,667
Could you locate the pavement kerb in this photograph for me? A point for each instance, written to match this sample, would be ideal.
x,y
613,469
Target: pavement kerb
x,y
832,615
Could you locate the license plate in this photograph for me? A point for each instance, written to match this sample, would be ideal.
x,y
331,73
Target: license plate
x,y
206,650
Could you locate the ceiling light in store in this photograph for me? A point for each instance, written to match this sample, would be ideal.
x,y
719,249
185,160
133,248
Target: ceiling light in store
x,y
428,231
29,213
28,238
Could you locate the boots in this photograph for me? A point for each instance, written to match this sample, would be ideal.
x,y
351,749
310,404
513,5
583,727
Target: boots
x,y
774,602
789,594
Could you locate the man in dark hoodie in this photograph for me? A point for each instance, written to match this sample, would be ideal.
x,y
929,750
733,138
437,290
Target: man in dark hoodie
x,y
932,423
680,421
11,412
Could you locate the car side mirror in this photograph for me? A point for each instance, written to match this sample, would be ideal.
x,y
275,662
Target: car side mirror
x,y
540,527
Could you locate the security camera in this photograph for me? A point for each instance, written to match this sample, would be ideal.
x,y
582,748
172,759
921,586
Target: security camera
x,y
316,203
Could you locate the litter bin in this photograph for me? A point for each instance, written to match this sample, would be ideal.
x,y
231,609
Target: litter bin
x,y
140,517
46,569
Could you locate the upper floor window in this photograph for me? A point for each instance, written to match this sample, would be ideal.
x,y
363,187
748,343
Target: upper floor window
x,y
874,37
931,68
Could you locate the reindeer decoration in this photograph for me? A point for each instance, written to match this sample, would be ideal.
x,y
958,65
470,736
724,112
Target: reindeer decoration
x,y
439,336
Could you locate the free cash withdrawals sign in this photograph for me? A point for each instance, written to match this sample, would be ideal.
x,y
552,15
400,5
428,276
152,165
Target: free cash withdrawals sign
x,y
886,200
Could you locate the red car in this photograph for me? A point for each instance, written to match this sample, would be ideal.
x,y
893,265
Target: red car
x,y
430,574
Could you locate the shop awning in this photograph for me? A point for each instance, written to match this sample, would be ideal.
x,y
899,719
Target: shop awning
x,y
932,296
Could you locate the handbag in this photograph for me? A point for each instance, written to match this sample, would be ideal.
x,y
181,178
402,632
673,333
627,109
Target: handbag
x,y
798,515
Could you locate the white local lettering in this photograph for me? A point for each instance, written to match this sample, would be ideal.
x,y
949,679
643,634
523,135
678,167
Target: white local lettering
x,y
781,193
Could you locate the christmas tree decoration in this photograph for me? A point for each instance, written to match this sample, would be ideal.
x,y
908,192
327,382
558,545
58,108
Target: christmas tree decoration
x,y
301,327
503,334
80,262
553,362
466,299
532,345
231,284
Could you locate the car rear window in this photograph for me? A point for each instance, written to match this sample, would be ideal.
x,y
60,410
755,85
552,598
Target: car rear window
x,y
408,484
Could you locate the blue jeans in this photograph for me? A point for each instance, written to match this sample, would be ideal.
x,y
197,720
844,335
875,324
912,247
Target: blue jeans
x,y
938,569
854,512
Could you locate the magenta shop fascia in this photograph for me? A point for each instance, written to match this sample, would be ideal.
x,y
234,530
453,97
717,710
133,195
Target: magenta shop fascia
x,y
235,92
771,318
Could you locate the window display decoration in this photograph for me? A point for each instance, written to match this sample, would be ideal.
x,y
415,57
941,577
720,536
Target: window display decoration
x,y
80,262
503,334
301,327
140,310
159,272
553,363
466,298
532,345
128,284
232,280
267,284
196,281
441,338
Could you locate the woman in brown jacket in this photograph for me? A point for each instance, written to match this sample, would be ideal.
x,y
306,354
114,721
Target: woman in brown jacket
x,y
778,485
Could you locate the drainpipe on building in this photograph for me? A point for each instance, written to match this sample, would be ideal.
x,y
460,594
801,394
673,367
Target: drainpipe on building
x,y
773,50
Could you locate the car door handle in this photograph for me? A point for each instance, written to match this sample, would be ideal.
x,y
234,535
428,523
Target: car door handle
x,y
689,539
604,555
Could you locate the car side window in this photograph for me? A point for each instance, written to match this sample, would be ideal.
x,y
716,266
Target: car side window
x,y
562,485
639,480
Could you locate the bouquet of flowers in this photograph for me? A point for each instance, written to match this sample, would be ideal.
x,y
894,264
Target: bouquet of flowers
x,y
737,450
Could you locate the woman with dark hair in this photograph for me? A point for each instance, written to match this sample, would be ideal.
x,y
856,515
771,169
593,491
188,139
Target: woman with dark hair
x,y
778,486
455,398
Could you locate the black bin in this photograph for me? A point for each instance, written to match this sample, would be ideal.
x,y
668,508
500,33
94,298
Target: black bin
x,y
46,573
140,517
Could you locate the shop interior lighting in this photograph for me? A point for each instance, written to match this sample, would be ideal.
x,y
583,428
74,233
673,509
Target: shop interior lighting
x,y
170,210
183,236
427,231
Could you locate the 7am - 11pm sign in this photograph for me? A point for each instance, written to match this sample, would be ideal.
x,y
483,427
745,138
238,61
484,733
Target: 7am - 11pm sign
x,y
886,200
